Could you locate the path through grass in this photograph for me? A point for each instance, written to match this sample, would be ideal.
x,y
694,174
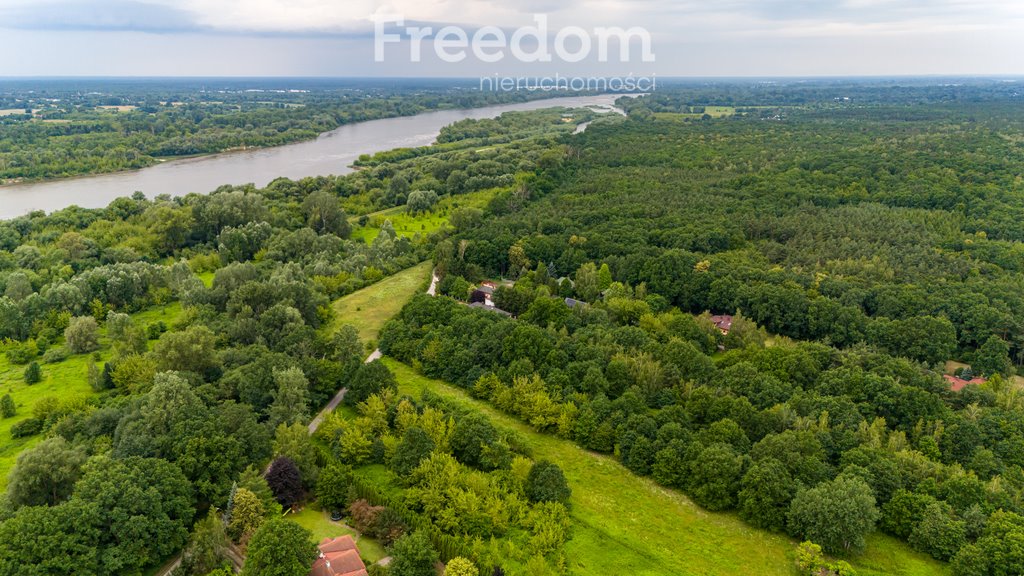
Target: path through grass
x,y
624,524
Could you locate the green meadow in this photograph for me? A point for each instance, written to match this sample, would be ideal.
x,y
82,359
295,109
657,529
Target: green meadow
x,y
406,224
370,308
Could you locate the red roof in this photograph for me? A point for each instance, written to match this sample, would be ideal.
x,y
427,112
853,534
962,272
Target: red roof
x,y
723,322
338,557
957,384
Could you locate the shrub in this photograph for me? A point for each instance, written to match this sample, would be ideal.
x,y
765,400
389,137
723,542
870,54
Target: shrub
x,y
364,515
155,329
460,566
55,354
7,407
29,427
33,373
22,353
546,483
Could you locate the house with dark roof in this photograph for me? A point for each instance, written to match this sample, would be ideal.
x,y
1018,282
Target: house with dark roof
x,y
338,557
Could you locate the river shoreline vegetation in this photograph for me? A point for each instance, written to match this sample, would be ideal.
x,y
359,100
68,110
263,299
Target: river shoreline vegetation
x,y
163,358
61,128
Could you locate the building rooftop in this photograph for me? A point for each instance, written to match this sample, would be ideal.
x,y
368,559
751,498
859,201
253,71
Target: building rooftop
x,y
338,557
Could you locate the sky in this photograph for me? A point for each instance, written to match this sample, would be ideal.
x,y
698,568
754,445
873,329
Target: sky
x,y
337,37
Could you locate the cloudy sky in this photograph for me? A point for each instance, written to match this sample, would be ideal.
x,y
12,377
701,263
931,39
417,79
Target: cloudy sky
x,y
336,37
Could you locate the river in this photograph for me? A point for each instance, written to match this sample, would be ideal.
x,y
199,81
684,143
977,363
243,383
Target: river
x,y
330,153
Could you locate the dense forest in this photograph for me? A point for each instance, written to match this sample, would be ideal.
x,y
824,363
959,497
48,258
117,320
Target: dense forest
x,y
859,248
163,359
68,128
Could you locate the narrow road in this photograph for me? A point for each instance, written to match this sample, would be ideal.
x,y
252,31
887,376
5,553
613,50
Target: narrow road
x,y
337,398
375,355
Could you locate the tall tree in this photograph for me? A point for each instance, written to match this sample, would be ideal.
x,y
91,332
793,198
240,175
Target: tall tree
x,y
280,548
324,214
837,514
291,399
46,474
285,481
413,555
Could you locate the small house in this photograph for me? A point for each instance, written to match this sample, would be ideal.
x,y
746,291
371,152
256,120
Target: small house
x,y
338,557
957,384
723,322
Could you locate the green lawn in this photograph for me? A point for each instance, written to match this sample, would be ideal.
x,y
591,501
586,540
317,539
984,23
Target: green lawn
x,y
67,380
625,524
406,224
370,308
319,523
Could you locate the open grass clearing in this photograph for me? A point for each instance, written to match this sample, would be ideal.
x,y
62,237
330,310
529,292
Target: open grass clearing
x,y
370,308
625,524
406,224
320,524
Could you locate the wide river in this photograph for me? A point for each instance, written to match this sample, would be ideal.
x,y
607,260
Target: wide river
x,y
331,153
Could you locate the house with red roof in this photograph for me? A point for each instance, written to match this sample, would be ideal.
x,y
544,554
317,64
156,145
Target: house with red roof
x,y
723,322
338,557
957,384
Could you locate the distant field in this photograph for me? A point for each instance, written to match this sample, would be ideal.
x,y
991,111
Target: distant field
x,y
713,111
67,380
370,308
406,224
624,524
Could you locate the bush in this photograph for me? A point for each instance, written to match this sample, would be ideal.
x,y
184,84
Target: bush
x,y
7,407
29,427
460,566
413,555
22,353
546,483
33,373
155,329
55,354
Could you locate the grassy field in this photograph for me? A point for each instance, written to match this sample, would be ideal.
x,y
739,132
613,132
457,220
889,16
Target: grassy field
x,y
319,523
713,111
66,381
406,224
370,308
624,524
